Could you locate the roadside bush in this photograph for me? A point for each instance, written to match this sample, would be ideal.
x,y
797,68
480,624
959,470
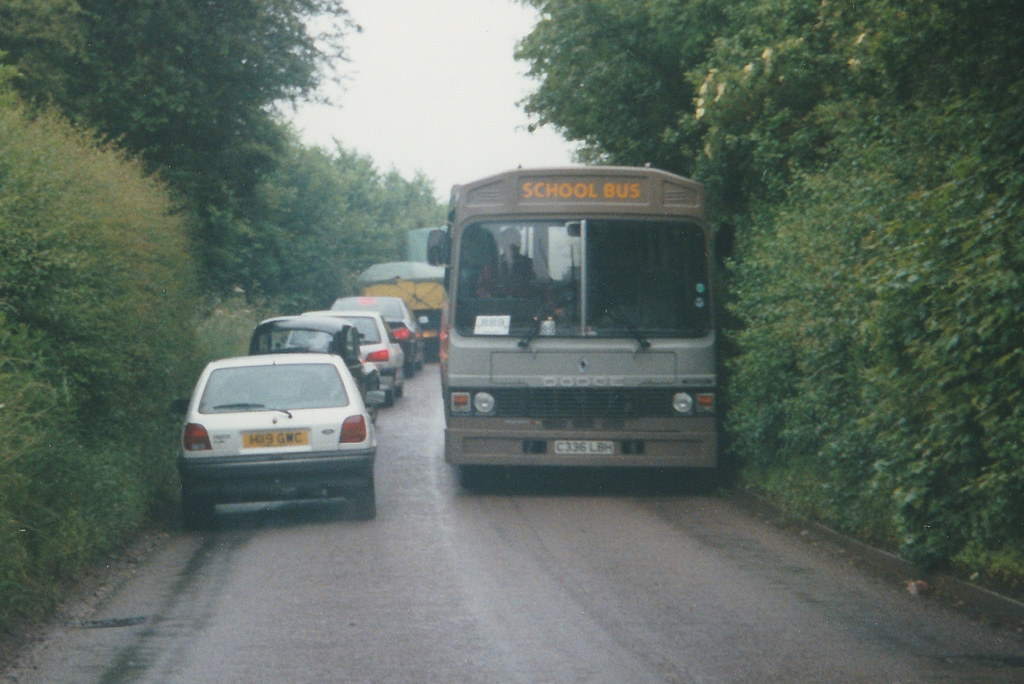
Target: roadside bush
x,y
31,416
98,319
224,330
797,395
880,377
951,367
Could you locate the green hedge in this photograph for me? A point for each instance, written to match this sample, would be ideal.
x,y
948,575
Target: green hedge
x,y
97,319
879,384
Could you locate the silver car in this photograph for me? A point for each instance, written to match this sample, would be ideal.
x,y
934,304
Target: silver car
x,y
275,427
378,346
399,318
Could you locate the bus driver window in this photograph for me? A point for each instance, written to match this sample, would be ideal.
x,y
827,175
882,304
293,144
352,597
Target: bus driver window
x,y
478,271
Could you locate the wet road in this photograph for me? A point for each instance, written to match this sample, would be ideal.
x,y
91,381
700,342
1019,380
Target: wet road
x,y
584,579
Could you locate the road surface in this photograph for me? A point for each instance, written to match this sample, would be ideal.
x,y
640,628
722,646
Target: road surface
x,y
548,578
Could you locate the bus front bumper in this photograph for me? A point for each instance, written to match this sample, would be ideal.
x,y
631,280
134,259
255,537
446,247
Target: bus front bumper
x,y
690,442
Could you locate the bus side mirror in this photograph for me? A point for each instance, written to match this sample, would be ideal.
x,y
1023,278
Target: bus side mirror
x,y
438,247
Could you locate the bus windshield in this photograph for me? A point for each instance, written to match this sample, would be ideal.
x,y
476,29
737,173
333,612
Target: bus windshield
x,y
598,277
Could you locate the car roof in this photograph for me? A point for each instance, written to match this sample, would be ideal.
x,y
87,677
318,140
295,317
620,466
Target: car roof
x,y
369,301
354,313
277,360
304,322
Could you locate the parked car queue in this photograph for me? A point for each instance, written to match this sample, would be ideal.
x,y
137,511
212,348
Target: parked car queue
x,y
293,420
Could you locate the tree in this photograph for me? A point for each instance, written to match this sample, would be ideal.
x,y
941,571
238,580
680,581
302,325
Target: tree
x,y
326,216
613,75
190,86
42,39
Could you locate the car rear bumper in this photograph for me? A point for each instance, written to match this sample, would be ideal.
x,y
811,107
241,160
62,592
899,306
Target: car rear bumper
x,y
243,479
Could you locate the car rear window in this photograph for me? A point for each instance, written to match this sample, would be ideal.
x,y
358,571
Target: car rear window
x,y
367,327
282,341
278,387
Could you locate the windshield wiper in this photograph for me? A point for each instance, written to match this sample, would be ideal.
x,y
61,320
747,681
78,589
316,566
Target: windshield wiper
x,y
546,311
250,407
240,406
630,327
532,333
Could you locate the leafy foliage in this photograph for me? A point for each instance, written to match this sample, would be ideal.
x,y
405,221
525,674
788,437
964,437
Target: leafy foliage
x,y
324,217
933,172
42,38
613,75
190,86
96,290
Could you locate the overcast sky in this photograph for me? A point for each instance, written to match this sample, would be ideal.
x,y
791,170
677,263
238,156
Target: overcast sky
x,y
432,86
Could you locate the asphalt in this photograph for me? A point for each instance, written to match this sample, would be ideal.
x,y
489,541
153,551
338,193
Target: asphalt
x,y
978,601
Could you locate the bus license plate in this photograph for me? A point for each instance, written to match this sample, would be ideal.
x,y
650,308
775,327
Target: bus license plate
x,y
583,446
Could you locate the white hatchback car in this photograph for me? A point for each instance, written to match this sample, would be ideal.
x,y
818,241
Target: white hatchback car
x,y
378,346
275,427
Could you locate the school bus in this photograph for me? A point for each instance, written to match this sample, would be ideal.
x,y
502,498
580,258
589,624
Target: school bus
x,y
578,325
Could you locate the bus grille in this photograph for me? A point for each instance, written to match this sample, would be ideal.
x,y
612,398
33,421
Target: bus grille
x,y
583,402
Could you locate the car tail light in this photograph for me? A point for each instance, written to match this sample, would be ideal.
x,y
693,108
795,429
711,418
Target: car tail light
x,y
402,333
195,438
353,430
379,355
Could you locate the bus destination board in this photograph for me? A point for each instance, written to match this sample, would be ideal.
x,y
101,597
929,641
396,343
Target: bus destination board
x,y
554,190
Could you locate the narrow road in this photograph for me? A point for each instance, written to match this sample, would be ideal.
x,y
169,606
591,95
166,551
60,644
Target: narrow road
x,y
552,577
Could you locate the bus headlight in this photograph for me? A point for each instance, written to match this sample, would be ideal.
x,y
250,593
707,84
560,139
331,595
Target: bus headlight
x,y
483,402
682,402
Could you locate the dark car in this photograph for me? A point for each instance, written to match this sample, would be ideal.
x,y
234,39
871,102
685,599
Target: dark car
x,y
327,335
398,316
378,346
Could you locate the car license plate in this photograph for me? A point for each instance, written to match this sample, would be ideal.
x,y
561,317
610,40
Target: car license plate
x,y
583,446
275,438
